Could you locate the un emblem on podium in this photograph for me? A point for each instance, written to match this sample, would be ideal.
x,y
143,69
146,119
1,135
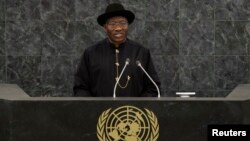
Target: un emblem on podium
x,y
127,123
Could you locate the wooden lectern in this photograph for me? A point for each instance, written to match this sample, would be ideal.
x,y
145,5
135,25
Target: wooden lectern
x,y
25,118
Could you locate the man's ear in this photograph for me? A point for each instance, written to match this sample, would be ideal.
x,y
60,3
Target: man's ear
x,y
105,27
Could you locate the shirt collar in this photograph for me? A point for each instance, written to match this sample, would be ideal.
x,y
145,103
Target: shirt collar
x,y
113,46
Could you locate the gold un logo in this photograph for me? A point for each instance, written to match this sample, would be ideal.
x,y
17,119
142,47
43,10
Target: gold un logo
x,y
127,123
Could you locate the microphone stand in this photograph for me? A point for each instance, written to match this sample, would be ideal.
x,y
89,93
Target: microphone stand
x,y
126,63
158,91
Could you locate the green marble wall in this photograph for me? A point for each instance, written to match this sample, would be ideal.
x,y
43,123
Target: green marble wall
x,y
197,45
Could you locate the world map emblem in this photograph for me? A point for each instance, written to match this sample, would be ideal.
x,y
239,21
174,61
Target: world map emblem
x,y
127,123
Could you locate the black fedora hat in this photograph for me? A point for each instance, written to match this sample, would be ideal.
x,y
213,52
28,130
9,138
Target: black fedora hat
x,y
113,10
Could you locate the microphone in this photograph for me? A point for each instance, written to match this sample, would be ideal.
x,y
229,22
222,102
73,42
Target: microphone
x,y
126,63
139,64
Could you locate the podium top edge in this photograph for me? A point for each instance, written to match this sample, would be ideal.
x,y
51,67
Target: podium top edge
x,y
12,92
126,99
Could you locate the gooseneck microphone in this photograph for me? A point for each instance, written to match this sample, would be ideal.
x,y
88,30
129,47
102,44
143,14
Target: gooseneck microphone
x,y
117,81
139,64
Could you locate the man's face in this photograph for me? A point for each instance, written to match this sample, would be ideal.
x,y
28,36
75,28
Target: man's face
x,y
117,29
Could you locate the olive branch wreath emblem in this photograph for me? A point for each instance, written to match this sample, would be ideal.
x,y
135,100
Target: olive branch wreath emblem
x,y
152,118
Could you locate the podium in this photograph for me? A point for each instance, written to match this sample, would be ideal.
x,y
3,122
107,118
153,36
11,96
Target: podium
x,y
25,118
